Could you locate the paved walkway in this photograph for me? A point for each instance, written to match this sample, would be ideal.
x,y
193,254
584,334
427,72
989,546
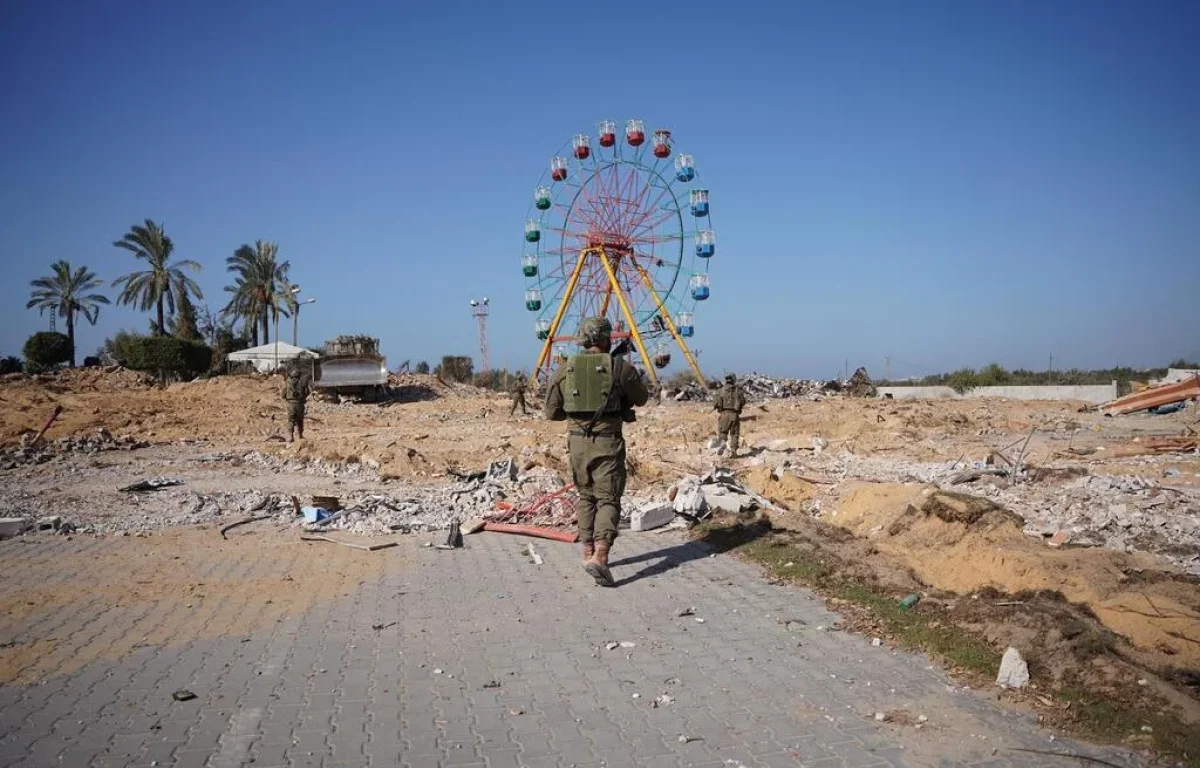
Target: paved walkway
x,y
477,657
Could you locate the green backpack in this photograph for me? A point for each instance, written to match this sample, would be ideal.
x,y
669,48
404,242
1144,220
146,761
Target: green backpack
x,y
588,384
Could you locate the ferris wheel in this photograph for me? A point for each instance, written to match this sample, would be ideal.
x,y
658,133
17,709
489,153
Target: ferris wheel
x,y
621,230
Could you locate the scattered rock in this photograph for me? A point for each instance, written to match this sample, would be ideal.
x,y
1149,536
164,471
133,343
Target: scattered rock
x,y
1014,672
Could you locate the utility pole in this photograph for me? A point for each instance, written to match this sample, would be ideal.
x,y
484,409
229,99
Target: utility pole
x,y
887,368
479,310
1051,362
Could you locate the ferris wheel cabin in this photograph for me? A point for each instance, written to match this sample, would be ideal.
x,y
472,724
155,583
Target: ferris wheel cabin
x,y
608,133
662,143
699,203
529,265
542,330
662,356
582,148
685,168
533,300
558,168
706,243
699,286
541,198
684,324
635,133
532,232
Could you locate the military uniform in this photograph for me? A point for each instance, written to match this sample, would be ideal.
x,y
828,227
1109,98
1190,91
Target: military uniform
x,y
728,404
295,394
517,390
596,447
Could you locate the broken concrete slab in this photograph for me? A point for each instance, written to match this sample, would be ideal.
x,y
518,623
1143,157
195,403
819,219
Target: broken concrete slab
x,y
727,500
651,516
12,526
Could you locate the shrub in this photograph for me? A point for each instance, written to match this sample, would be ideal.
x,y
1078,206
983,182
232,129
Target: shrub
x,y
169,357
11,364
422,367
116,350
46,349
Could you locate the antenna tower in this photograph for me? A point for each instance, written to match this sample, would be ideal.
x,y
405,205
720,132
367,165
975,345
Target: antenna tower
x,y
479,310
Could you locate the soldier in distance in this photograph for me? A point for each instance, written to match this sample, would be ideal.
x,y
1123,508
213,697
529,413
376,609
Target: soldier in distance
x,y
728,404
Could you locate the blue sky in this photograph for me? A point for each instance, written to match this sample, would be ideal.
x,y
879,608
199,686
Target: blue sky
x,y
944,183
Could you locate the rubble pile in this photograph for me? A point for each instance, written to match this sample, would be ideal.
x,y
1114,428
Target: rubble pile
x,y
93,379
691,391
366,469
498,493
100,440
1121,512
758,387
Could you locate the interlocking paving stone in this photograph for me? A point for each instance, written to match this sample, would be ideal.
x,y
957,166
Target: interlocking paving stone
x,y
324,689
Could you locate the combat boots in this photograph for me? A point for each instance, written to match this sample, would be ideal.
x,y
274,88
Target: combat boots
x,y
589,550
597,567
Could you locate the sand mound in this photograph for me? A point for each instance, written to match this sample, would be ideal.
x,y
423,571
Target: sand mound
x,y
963,544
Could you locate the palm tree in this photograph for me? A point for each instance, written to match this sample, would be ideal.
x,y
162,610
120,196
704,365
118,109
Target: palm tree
x,y
164,282
258,288
66,292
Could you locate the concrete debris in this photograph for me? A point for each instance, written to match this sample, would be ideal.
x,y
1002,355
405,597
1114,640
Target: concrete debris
x,y
504,470
860,384
40,452
650,516
688,499
1014,672
1122,512
12,526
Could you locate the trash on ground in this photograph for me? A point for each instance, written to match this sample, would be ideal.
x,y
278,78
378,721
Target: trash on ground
x,y
352,545
151,485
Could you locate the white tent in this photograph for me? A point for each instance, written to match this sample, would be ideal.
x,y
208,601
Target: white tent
x,y
269,357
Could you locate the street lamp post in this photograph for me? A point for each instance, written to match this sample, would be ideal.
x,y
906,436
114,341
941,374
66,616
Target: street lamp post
x,y
296,320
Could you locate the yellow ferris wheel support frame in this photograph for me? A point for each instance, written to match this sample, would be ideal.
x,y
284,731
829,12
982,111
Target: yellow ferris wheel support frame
x,y
614,289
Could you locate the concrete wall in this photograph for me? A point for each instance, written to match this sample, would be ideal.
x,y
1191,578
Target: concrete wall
x,y
1090,393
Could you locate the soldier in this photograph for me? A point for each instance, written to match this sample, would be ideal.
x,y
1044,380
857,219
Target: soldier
x,y
517,390
295,393
728,404
597,393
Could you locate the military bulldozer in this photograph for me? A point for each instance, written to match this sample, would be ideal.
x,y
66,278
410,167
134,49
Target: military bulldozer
x,y
351,366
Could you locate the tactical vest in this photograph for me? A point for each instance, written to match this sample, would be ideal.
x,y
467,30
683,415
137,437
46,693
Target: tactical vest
x,y
588,383
293,389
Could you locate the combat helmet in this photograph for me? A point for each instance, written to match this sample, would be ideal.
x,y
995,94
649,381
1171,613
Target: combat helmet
x,y
594,332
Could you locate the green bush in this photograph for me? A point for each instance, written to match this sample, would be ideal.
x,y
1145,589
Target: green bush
x,y
46,349
168,356
11,364
117,349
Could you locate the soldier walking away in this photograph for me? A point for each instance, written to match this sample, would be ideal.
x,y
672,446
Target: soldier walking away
x,y
597,393
295,394
517,390
728,404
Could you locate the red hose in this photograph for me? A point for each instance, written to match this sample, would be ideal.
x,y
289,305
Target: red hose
x,y
533,530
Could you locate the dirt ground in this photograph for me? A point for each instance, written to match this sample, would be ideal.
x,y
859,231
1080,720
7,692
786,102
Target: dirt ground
x,y
807,456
